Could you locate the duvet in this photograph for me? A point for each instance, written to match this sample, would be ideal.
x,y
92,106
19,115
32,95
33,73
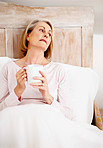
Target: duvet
x,y
44,126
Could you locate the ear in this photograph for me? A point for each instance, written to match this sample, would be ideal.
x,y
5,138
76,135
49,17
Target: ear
x,y
27,37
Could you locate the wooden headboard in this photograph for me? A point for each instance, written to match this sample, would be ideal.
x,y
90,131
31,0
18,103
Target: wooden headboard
x,y
73,38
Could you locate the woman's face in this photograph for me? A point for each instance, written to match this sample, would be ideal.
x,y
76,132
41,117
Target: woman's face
x,y
40,36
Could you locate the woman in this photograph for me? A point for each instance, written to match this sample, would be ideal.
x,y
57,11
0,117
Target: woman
x,y
39,44
36,47
44,120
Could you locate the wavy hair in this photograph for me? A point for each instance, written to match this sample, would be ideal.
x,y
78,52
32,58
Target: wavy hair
x,y
23,44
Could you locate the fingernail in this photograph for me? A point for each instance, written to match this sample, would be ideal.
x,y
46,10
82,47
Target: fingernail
x,y
23,66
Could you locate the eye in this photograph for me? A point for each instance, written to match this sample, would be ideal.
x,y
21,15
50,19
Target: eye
x,y
49,34
41,30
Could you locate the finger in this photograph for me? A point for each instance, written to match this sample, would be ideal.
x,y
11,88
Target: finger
x,y
22,80
39,87
25,70
42,73
39,78
20,71
22,75
23,67
36,83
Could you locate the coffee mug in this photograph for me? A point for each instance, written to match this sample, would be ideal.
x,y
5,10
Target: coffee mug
x,y
33,71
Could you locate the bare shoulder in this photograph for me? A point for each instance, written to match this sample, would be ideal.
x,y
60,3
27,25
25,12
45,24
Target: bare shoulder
x,y
46,62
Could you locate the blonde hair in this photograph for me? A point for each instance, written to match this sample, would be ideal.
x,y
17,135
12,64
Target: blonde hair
x,y
23,44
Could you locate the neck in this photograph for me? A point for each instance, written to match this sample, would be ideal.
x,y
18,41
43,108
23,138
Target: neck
x,y
34,57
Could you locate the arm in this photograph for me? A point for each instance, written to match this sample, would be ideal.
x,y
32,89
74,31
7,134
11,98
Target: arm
x,y
61,102
6,99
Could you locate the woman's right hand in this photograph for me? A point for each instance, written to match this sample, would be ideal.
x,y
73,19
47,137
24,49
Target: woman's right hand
x,y
21,77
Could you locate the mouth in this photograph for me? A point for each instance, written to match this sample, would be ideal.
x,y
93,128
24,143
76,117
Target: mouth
x,y
43,40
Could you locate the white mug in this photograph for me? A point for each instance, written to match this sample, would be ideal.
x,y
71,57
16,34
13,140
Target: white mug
x,y
33,71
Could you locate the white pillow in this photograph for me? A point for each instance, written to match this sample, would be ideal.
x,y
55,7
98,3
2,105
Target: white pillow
x,y
82,86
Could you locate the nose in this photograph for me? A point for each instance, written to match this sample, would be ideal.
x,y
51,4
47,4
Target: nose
x,y
46,35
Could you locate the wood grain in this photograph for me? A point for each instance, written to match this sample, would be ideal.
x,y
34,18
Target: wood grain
x,y
9,42
16,16
67,46
2,43
87,47
98,117
101,112
16,38
73,30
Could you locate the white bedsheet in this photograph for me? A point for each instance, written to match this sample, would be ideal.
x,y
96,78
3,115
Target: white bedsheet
x,y
43,126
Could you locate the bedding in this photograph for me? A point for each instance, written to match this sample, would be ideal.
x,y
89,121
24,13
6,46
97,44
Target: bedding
x,y
44,126
82,85
36,124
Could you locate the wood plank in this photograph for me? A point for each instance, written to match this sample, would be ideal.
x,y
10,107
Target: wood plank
x,y
16,38
67,46
9,42
101,112
87,47
2,43
16,16
98,118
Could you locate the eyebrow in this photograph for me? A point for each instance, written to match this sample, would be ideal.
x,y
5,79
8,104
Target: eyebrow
x,y
44,28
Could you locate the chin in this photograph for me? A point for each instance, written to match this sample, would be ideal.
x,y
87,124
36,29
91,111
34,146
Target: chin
x,y
43,48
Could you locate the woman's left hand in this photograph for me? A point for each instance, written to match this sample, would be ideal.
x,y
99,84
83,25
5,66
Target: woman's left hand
x,y
43,87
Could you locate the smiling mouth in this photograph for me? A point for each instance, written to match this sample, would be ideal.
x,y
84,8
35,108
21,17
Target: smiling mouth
x,y
44,41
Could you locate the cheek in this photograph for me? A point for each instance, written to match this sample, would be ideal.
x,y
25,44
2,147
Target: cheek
x,y
36,35
49,41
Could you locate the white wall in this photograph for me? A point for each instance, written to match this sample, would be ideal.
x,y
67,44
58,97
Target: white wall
x,y
98,65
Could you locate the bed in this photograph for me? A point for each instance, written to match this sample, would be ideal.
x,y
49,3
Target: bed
x,y
73,39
